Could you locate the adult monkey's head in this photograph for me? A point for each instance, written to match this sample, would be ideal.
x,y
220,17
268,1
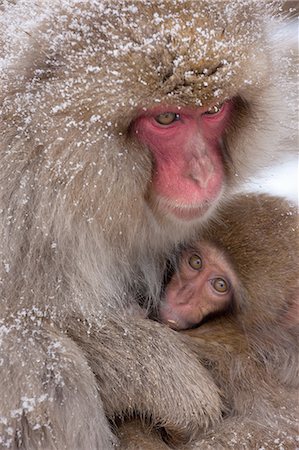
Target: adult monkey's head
x,y
144,114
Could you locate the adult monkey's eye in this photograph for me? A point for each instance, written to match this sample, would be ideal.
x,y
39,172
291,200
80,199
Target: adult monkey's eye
x,y
167,118
220,285
215,109
195,262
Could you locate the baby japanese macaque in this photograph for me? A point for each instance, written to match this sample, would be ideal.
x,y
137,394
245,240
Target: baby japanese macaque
x,y
201,287
243,269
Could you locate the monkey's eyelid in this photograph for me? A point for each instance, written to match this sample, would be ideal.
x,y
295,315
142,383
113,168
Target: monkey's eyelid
x,y
190,249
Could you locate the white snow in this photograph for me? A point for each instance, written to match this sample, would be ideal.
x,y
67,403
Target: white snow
x,y
281,179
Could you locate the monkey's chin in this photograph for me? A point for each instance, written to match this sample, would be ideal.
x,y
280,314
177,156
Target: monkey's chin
x,y
189,213
166,210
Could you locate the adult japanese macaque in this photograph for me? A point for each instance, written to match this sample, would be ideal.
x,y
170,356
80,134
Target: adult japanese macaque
x,y
245,265
123,125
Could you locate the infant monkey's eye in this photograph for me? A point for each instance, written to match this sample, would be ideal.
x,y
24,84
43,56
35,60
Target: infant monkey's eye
x,y
167,118
220,285
195,262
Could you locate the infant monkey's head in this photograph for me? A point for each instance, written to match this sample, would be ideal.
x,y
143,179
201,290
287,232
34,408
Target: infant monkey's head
x,y
202,286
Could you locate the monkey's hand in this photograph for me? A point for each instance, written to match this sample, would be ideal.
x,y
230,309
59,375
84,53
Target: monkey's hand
x,y
144,367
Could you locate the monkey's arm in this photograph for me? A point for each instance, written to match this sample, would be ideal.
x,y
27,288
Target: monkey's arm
x,y
239,432
44,379
232,350
145,368
260,411
257,371
232,357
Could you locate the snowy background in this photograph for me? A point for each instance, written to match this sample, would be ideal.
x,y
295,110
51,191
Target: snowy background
x,y
281,179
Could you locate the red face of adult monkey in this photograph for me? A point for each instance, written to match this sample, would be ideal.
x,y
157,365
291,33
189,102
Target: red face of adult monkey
x,y
122,125
185,142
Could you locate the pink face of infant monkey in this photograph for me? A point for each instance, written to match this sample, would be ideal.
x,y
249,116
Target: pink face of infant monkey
x,y
203,285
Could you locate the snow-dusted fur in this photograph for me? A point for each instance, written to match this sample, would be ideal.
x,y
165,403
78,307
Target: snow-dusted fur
x,y
78,238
